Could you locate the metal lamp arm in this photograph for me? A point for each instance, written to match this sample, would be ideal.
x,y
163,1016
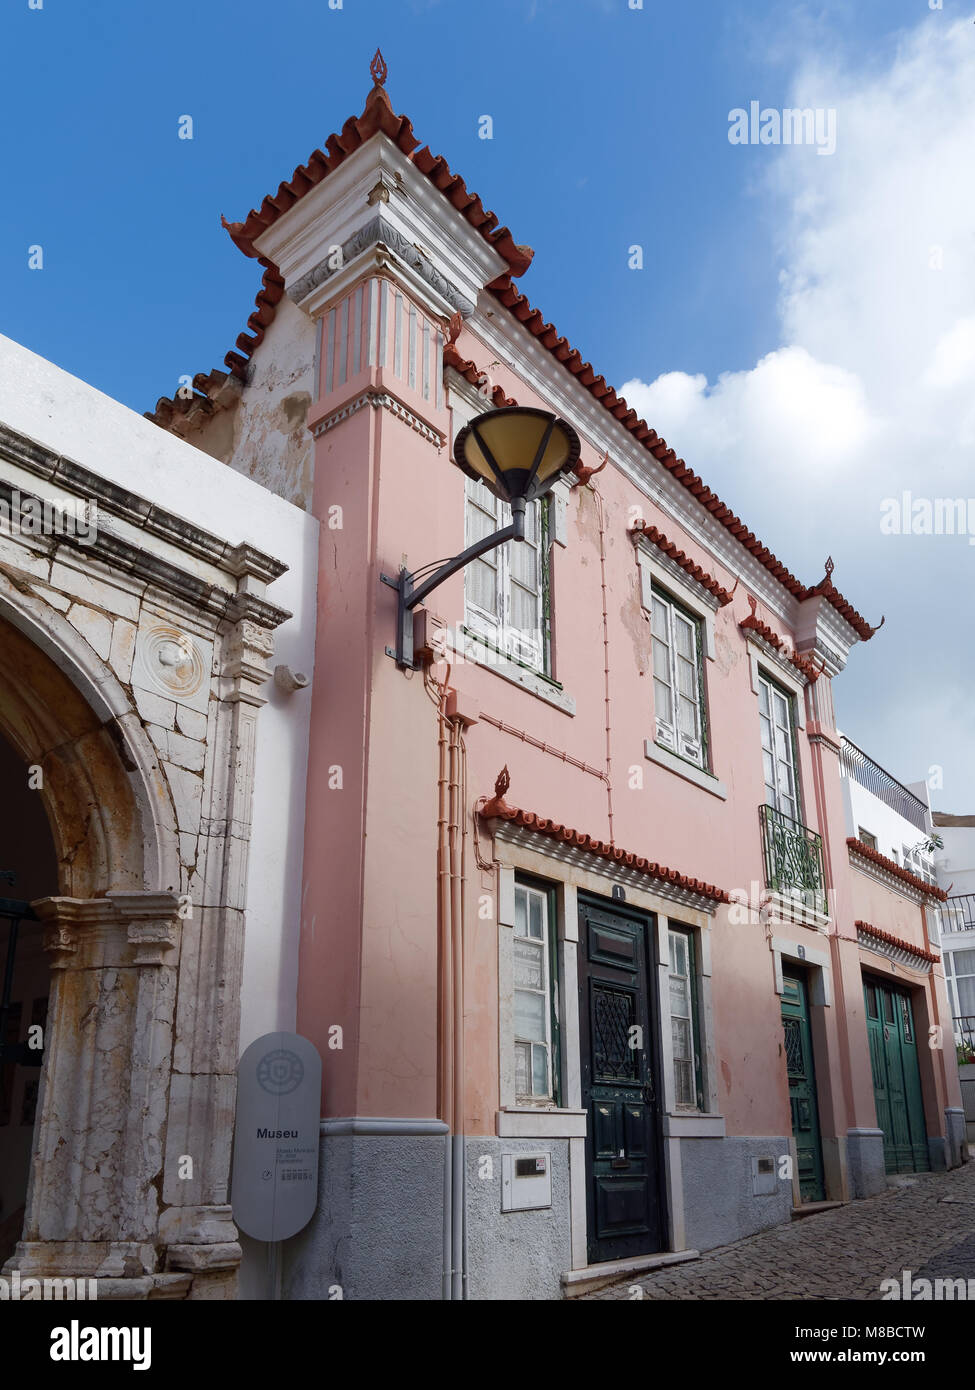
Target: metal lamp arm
x,y
514,532
410,598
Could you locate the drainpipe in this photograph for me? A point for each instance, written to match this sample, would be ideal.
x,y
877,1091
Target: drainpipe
x,y
463,881
446,991
458,1174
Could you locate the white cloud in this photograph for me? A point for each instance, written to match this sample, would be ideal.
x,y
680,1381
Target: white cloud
x,y
871,388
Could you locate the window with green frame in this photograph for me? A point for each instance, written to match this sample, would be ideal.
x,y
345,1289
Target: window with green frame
x,y
536,1023
685,1026
678,679
780,754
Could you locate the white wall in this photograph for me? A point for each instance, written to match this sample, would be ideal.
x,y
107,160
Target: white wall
x,y
956,862
893,831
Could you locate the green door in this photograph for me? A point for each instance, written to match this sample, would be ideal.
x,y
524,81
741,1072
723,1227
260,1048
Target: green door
x,y
896,1077
802,1088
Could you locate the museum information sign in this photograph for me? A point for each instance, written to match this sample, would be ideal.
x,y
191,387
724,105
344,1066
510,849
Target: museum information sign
x,y
274,1188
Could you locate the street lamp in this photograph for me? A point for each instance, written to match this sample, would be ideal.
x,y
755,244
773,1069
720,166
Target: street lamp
x,y
518,453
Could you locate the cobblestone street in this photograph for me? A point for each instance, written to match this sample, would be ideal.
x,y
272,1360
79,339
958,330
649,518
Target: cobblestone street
x,y
924,1223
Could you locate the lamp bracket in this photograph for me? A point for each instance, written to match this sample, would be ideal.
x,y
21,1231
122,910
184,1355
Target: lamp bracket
x,y
410,597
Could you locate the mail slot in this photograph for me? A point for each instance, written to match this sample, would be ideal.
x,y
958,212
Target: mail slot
x,y
531,1167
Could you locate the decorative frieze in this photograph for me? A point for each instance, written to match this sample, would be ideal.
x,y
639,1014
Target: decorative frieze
x,y
381,400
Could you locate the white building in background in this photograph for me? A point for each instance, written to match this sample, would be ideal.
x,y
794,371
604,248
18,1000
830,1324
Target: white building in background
x,y
887,816
955,866
897,821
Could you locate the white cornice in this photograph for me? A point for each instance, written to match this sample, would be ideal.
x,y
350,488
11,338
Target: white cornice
x,y
868,942
564,852
889,880
378,178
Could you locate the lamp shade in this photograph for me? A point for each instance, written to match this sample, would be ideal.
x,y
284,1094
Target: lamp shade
x,y
517,451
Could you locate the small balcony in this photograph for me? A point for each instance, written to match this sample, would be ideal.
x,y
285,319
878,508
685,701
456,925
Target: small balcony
x,y
958,913
965,1039
793,860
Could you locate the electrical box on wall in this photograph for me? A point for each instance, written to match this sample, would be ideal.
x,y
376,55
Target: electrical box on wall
x,y
526,1181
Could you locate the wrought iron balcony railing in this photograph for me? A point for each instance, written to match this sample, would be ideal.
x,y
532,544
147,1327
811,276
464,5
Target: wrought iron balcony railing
x,y
876,779
958,913
793,859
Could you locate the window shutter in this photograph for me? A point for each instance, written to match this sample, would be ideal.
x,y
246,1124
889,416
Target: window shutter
x,y
677,679
504,590
663,688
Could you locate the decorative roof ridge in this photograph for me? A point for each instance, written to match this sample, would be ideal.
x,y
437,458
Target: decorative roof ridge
x,y
377,118
752,623
469,370
897,941
655,444
209,385
651,533
826,589
881,860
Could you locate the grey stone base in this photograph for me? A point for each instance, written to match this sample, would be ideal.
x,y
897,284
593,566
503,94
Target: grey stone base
x,y
515,1254
938,1153
720,1201
377,1232
865,1169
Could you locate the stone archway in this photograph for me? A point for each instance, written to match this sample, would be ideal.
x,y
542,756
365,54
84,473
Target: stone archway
x,y
83,779
111,937
134,689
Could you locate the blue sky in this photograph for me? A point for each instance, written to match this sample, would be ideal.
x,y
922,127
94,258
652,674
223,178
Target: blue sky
x,y
763,336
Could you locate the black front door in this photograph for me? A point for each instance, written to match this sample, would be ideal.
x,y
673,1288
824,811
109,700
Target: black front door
x,y
625,1216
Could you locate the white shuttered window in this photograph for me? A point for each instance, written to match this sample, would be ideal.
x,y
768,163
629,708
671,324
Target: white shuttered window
x,y
533,996
678,691
505,589
775,710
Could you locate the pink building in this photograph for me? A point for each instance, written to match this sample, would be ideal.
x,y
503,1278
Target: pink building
x,y
624,1007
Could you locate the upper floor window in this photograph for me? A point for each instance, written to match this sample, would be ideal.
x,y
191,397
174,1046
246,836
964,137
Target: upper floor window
x,y
777,715
678,679
506,590
866,838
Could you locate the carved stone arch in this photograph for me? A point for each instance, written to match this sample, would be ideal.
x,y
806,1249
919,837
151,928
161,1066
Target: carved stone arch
x,y
63,709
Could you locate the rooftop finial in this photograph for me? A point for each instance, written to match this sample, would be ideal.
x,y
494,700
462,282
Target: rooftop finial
x,y
378,69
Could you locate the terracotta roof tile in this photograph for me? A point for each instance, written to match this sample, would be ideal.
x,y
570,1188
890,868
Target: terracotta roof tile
x,y
897,941
516,302
471,372
708,581
497,807
378,116
802,663
892,867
